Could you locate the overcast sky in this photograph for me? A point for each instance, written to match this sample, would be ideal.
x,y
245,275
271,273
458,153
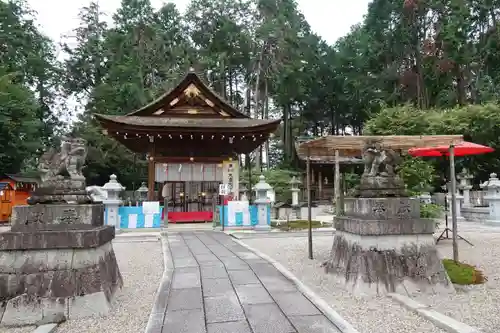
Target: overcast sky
x,y
330,19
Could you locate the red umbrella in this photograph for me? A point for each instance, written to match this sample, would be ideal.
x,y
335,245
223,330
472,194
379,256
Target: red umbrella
x,y
462,149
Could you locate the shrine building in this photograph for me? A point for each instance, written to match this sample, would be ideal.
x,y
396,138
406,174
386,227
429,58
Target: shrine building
x,y
192,138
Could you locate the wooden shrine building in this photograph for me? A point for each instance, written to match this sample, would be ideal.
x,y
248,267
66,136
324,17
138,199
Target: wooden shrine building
x,y
191,135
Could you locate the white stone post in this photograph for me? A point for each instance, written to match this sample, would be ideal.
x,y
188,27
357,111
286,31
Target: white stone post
x,y
493,197
465,186
113,202
263,204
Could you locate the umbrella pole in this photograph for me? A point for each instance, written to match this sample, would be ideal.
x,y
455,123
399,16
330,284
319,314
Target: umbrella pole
x,y
453,189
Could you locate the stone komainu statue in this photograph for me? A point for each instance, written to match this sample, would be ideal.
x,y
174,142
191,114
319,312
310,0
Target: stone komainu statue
x,y
379,161
70,160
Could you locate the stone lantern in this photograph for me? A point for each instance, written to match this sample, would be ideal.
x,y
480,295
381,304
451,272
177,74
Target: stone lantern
x,y
263,204
465,186
142,192
113,201
294,187
493,197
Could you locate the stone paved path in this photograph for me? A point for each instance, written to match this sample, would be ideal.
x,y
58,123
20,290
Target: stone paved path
x,y
219,286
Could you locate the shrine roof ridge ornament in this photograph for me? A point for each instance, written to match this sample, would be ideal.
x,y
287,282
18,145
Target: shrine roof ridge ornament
x,y
190,83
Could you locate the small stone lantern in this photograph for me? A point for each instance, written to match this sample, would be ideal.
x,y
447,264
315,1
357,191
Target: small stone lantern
x,y
465,186
294,187
263,204
112,202
142,192
493,197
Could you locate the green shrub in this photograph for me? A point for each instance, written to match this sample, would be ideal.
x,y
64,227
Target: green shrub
x,y
463,274
430,211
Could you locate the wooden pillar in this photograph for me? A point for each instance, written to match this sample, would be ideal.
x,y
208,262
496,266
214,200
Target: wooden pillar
x,y
337,178
151,170
454,205
309,202
320,186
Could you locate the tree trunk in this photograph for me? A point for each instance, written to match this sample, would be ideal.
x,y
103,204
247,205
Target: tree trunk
x,y
266,116
285,133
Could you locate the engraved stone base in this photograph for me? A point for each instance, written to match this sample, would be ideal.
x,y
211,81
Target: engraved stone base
x,y
52,285
48,216
389,263
382,245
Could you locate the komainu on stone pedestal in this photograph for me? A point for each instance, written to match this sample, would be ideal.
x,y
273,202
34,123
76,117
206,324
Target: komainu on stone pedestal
x,y
57,261
381,244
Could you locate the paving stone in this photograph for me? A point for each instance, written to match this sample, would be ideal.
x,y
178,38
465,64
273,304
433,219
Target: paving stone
x,y
265,318
243,277
216,287
313,324
235,264
295,304
185,299
253,262
212,263
229,327
184,321
213,272
186,280
266,270
277,284
247,255
185,262
223,308
253,294
206,257
187,270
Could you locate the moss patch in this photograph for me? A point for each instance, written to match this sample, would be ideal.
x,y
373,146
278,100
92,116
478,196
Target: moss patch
x,y
463,274
299,225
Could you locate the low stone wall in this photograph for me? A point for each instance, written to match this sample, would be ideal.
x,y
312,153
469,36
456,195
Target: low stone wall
x,y
476,214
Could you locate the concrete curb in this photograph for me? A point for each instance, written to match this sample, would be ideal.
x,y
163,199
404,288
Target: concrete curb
x,y
331,314
48,328
444,322
157,316
279,234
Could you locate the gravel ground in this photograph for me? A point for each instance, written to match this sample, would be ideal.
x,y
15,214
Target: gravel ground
x,y
475,305
367,314
141,265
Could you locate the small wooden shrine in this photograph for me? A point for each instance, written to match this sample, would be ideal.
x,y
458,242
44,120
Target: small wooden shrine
x,y
191,136
327,154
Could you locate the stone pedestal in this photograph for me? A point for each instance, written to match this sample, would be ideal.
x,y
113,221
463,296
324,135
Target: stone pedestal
x,y
57,263
382,245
